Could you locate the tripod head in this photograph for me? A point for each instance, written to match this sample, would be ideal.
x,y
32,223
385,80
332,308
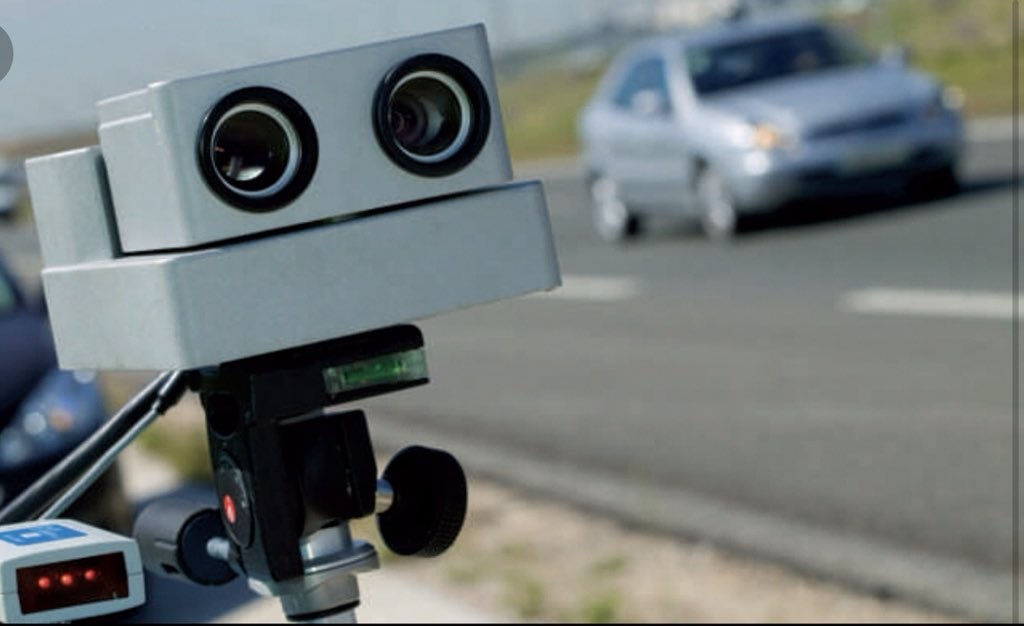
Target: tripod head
x,y
290,474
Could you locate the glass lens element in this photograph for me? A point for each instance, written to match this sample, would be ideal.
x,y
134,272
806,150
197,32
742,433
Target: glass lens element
x,y
251,150
426,116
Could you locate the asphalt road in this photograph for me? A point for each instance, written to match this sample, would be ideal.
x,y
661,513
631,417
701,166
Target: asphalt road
x,y
799,373
773,374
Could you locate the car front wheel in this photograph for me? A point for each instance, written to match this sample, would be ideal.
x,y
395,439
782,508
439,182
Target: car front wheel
x,y
613,220
719,217
939,183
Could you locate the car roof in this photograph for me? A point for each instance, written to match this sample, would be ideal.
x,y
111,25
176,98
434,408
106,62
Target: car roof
x,y
712,34
726,31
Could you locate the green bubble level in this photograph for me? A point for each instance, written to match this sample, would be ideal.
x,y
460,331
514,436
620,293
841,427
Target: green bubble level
x,y
382,370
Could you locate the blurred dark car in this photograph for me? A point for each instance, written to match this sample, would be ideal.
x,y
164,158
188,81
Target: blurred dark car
x,y
12,186
45,412
745,116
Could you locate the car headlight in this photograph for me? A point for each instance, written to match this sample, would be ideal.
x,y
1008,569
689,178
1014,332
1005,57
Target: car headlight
x,y
63,409
768,137
953,98
947,99
759,136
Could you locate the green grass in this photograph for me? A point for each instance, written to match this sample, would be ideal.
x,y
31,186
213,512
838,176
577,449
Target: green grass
x,y
966,43
466,574
182,444
984,75
609,567
184,448
601,608
524,595
539,108
932,27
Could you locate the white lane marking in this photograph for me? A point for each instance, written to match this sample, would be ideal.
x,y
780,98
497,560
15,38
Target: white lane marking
x,y
930,302
594,288
990,130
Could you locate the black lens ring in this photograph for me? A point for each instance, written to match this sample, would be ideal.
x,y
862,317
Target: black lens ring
x,y
302,125
480,122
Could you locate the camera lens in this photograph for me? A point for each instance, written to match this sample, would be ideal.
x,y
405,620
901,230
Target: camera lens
x,y
257,149
431,115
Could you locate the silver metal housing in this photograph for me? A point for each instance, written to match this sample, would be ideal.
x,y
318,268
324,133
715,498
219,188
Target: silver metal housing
x,y
149,141
181,310
147,268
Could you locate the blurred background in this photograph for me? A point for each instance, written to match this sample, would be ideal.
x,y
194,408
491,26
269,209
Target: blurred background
x,y
830,388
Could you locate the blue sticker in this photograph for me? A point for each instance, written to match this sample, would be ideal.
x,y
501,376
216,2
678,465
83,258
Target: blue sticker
x,y
39,534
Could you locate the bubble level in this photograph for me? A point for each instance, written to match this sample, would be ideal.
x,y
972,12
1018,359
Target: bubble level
x,y
388,369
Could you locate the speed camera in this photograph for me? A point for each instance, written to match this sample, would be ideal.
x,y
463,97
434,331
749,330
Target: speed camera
x,y
256,209
233,153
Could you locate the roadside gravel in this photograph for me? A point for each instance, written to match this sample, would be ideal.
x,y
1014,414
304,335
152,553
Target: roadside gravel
x,y
539,560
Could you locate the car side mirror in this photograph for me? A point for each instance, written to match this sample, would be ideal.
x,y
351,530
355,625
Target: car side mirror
x,y
648,103
896,55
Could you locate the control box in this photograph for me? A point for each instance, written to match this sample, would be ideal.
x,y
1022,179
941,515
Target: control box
x,y
61,570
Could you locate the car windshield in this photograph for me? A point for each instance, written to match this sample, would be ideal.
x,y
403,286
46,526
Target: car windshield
x,y
726,66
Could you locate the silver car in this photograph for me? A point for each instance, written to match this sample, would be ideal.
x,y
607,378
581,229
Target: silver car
x,y
743,117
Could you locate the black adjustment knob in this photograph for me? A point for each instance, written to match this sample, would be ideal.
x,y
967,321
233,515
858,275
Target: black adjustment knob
x,y
429,502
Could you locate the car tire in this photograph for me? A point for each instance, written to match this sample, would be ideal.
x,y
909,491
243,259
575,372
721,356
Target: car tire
x,y
719,215
939,183
613,220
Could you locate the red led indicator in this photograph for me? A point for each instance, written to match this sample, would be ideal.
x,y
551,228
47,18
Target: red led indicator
x,y
229,509
61,584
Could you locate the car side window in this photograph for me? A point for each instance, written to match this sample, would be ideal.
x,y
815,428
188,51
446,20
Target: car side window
x,y
644,88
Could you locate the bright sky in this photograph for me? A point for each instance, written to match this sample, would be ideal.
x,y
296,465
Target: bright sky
x,y
70,53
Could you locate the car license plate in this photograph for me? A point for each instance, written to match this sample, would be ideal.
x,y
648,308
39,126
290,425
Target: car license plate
x,y
874,158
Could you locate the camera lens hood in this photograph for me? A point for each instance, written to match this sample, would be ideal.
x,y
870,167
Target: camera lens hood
x,y
431,115
257,149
